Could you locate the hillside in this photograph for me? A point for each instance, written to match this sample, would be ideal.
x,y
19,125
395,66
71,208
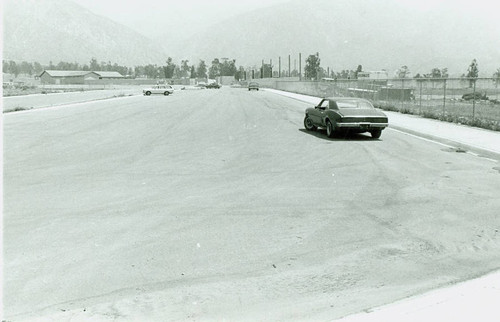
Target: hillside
x,y
346,33
60,30
384,34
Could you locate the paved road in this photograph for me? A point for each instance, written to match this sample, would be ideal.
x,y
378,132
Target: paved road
x,y
218,205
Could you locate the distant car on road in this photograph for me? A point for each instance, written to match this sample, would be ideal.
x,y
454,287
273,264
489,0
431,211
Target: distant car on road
x,y
158,89
253,86
213,85
342,114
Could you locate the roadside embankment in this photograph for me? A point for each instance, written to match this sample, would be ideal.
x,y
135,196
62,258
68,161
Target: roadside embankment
x,y
26,102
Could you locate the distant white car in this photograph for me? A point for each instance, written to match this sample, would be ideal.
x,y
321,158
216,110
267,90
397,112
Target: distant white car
x,y
158,89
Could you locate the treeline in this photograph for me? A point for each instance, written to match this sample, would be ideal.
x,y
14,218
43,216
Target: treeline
x,y
218,67
35,68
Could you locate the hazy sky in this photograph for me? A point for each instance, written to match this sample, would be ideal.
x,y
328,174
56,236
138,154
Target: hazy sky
x,y
185,16
192,15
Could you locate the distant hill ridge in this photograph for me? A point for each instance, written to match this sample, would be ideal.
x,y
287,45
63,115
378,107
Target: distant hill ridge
x,y
378,35
381,34
60,30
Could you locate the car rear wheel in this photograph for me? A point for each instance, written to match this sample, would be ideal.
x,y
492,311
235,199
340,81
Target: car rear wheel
x,y
308,124
376,133
329,129
148,93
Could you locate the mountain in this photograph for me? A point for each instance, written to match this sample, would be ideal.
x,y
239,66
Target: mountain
x,y
61,30
382,34
385,34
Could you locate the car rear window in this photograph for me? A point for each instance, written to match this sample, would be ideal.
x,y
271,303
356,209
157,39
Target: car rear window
x,y
353,104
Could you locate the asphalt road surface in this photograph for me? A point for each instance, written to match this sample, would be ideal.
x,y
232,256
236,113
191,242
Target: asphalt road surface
x,y
217,204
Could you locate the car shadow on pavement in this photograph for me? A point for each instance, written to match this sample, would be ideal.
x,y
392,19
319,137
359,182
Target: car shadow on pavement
x,y
321,134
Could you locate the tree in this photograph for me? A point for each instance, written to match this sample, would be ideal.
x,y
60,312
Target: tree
x,y
150,71
26,68
37,67
177,72
496,77
94,65
168,70
185,69
435,73
240,74
139,71
201,70
403,72
358,70
13,68
193,72
345,74
312,66
215,69
231,68
266,70
472,72
5,66
444,73
228,68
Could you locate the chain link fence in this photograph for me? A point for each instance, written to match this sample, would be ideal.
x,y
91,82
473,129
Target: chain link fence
x,y
468,101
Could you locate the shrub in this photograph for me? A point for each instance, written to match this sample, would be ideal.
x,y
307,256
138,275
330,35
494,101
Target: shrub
x,y
476,122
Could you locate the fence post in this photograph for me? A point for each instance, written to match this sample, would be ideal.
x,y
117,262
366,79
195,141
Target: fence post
x,y
300,66
387,92
420,99
444,98
402,93
474,101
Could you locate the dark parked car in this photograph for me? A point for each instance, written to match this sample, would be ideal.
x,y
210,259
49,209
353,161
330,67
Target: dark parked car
x,y
342,114
253,86
475,96
213,85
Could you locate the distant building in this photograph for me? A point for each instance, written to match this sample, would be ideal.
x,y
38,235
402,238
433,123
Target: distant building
x,y
371,80
374,76
67,77
109,75
8,80
225,80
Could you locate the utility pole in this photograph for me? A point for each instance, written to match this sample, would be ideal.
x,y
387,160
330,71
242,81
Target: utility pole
x,y
444,97
279,71
300,66
474,102
289,71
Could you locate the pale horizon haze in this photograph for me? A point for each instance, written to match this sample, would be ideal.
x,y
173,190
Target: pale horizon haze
x,y
161,15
